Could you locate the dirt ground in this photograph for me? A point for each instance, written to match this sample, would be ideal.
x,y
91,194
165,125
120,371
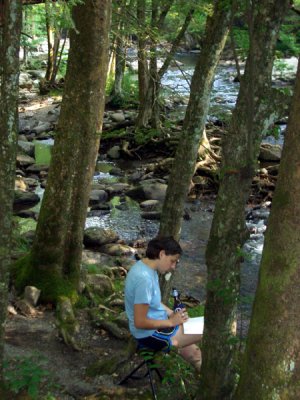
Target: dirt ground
x,y
36,340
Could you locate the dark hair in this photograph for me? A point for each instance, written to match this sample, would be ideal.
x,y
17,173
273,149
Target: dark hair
x,y
167,243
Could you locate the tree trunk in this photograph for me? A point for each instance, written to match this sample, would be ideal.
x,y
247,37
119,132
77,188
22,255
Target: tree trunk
x,y
228,232
149,106
143,73
9,52
193,126
54,262
272,363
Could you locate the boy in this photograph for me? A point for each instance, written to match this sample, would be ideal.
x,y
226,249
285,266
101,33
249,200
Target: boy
x,y
153,324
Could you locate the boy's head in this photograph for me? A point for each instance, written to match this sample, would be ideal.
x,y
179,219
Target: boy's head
x,y
166,250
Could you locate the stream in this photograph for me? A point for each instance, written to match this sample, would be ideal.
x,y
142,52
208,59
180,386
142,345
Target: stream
x,y
125,216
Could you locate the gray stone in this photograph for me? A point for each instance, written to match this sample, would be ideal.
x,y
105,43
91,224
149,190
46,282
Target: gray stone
x,y
24,200
32,295
100,284
37,168
26,147
150,204
117,249
270,152
148,190
42,127
118,117
114,152
23,160
153,215
98,196
95,236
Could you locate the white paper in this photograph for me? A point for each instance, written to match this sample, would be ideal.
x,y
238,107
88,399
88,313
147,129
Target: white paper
x,y
194,326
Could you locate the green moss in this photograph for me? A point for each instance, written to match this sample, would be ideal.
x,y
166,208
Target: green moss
x,y
52,285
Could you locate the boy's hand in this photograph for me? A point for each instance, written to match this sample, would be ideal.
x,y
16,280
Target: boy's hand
x,y
179,317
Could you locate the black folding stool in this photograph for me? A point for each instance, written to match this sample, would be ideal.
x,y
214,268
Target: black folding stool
x,y
149,363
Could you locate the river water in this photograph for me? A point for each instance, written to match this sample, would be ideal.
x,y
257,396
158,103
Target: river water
x,y
125,216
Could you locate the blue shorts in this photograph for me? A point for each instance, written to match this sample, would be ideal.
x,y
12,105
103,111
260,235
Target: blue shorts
x,y
159,340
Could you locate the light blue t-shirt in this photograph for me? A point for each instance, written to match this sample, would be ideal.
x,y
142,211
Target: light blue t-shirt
x,y
142,287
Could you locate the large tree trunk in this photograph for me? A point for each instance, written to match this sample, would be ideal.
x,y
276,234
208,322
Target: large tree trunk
x,y
10,32
193,126
143,73
272,363
54,262
228,232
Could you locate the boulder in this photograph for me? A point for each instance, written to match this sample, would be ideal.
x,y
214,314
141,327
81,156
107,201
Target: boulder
x,y
270,152
99,284
26,147
98,196
153,215
150,205
95,237
148,190
31,295
114,152
24,200
118,117
24,160
117,249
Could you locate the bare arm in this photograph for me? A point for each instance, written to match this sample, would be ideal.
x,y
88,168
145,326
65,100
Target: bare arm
x,y
141,321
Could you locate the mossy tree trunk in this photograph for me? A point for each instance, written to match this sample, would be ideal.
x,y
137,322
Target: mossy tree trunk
x,y
54,262
149,111
10,32
193,126
272,362
228,233
143,71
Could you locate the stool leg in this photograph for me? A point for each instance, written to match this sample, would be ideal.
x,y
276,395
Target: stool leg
x,y
154,395
131,373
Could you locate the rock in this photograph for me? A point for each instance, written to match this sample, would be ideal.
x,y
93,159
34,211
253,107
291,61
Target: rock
x,y
24,200
114,152
24,160
153,215
26,308
270,152
117,188
20,184
148,190
116,249
150,204
99,284
42,127
98,196
26,147
37,168
94,237
31,295
25,82
118,117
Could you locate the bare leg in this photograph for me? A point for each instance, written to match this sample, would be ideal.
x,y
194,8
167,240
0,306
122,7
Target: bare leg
x,y
188,348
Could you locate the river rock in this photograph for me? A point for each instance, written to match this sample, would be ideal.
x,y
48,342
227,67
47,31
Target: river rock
x,y
118,117
150,205
95,236
24,160
153,215
117,249
98,196
42,127
24,200
32,295
117,188
37,168
100,284
270,152
25,82
148,190
114,152
26,147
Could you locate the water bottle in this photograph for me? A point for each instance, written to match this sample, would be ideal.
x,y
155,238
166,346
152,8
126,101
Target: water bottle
x,y
178,305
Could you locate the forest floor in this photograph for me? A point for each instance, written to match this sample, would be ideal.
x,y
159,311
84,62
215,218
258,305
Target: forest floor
x,y
39,359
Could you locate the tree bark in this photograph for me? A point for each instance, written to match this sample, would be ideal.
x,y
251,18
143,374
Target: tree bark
x,y
193,126
54,262
272,361
228,232
143,73
9,52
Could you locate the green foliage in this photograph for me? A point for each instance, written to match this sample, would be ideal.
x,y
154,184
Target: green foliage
x,y
143,136
130,92
196,311
25,374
